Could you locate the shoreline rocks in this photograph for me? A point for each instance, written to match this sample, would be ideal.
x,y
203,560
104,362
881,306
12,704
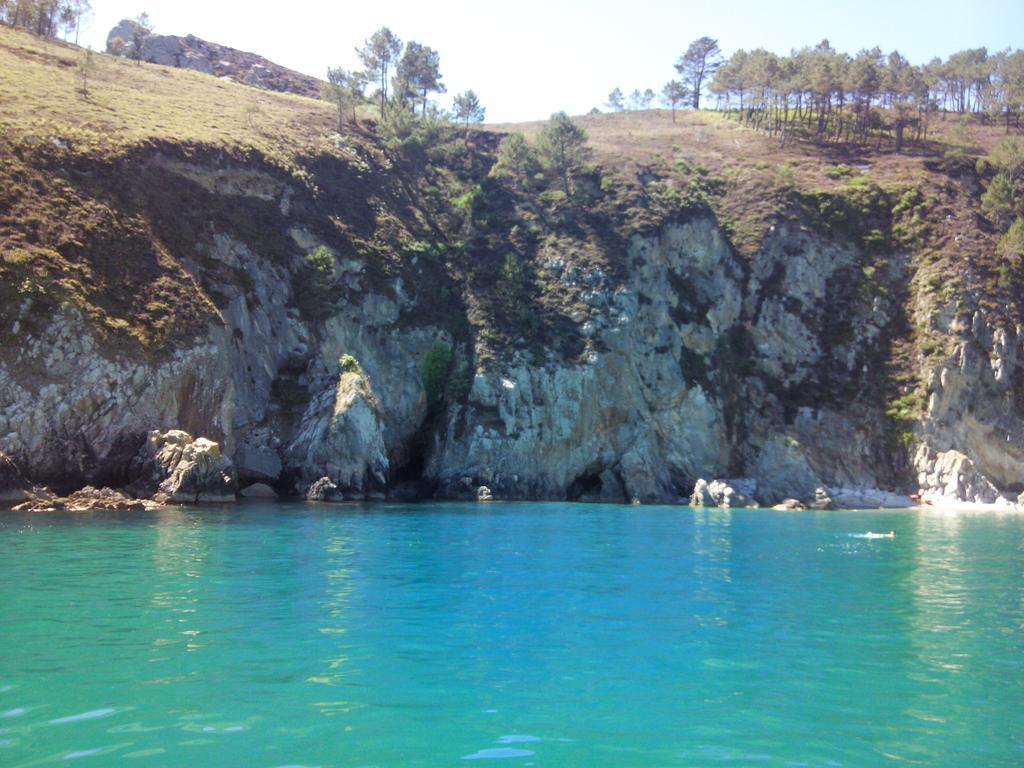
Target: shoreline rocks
x,y
174,468
87,499
322,490
13,485
727,494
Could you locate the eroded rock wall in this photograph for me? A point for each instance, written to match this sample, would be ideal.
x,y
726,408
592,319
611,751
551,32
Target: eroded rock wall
x,y
696,364
699,367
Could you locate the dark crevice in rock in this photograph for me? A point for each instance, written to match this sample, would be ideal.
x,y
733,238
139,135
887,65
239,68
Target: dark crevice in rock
x,y
587,484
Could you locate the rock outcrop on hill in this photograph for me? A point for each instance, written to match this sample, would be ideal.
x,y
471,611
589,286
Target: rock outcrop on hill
x,y
191,52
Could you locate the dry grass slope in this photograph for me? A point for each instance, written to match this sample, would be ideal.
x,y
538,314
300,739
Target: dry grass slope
x,y
131,103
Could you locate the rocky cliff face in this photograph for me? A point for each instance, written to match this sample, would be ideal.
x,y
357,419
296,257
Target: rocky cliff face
x,y
697,367
695,364
972,435
683,362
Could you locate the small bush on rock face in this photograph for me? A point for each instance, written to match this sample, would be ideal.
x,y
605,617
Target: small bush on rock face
x,y
349,364
459,387
437,364
320,261
315,283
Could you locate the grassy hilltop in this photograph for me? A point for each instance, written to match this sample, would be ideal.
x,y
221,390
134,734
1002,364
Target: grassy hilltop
x,y
88,216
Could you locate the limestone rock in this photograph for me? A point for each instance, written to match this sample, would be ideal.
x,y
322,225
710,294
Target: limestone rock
x,y
868,498
172,467
735,493
124,31
163,49
483,493
257,462
191,52
13,486
790,505
341,436
687,362
322,490
87,499
783,471
950,476
258,491
821,500
701,496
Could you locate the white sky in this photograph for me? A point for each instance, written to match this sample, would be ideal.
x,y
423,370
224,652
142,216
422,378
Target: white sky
x,y
529,58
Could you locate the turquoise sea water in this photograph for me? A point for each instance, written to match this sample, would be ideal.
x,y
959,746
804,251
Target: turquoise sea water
x,y
511,635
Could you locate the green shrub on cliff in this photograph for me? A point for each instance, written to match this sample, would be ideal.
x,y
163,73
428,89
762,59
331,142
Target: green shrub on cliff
x,y
315,283
436,368
349,364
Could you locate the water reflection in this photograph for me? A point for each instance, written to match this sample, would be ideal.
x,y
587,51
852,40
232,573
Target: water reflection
x,y
959,585
181,545
939,592
337,595
712,573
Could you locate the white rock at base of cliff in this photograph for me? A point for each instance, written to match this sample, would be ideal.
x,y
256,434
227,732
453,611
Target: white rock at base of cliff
x,y
728,494
868,498
182,469
952,477
322,490
790,505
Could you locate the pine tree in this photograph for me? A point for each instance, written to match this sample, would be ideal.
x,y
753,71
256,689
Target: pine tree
x,y
673,94
698,65
616,101
418,74
563,148
378,54
467,109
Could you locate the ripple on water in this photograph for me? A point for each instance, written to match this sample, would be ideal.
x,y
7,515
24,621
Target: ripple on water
x,y
517,739
90,715
83,753
498,753
79,753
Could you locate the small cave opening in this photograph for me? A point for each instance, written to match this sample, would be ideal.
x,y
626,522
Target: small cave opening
x,y
289,483
587,484
408,465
